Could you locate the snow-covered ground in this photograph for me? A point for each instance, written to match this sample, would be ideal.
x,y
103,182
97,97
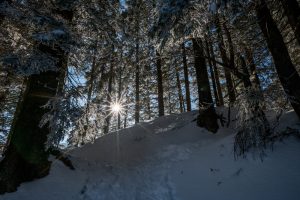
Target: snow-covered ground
x,y
171,159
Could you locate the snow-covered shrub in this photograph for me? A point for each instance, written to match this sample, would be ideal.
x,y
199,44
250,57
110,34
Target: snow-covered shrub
x,y
63,112
253,126
88,126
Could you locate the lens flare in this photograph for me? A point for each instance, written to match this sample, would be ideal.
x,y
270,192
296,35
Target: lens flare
x,y
116,108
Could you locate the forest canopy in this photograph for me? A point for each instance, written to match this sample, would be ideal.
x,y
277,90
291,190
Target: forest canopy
x,y
72,71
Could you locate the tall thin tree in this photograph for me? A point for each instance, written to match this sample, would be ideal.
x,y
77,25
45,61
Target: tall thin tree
x,y
186,79
288,76
160,89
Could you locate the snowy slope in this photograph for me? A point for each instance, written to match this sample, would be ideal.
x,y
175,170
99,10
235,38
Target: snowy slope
x,y
171,159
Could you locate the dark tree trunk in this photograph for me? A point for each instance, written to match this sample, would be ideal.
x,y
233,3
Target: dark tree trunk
x,y
26,157
217,77
230,45
108,99
170,103
119,94
229,84
213,80
149,108
180,97
160,90
5,81
286,71
120,86
292,11
246,79
137,86
207,116
137,66
89,97
148,98
226,61
126,114
186,80
253,71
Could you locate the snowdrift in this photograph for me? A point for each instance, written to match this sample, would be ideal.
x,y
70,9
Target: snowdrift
x,y
171,158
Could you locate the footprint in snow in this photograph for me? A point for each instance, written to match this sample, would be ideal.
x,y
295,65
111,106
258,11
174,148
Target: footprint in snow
x,y
214,170
238,172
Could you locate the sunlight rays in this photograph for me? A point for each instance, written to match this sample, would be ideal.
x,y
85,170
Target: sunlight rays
x,y
115,106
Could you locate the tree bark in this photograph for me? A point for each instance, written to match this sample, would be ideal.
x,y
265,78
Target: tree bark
x,y
120,87
212,75
126,114
230,45
26,157
245,139
160,90
137,71
253,70
286,71
186,79
108,101
217,77
148,94
137,87
119,95
89,97
246,79
226,61
207,116
180,97
292,11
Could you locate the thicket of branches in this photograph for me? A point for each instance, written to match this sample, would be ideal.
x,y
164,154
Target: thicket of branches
x,y
66,61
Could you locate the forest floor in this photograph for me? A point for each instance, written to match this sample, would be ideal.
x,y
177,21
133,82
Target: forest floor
x,y
171,158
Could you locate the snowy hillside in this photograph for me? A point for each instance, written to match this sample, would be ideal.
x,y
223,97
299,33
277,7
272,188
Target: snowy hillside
x,y
170,159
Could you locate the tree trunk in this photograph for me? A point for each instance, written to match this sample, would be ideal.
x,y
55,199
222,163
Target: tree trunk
x,y
119,97
212,75
137,87
148,98
26,157
253,71
230,45
120,88
180,97
292,11
226,61
5,81
186,80
286,71
217,77
246,136
160,90
108,101
246,79
89,97
137,71
126,114
207,116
